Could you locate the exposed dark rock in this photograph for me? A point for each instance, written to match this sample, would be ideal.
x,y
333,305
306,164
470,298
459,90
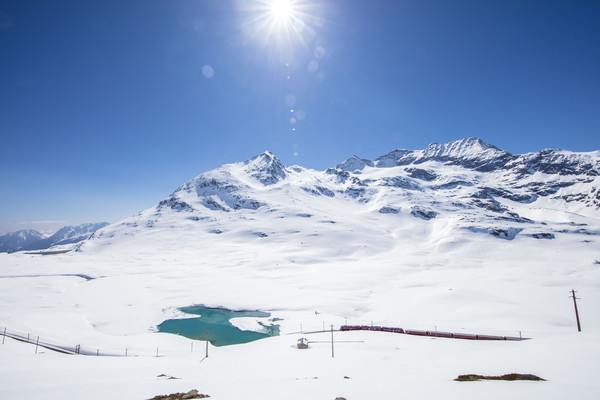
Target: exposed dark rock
x,y
192,394
389,210
507,234
400,182
265,168
506,377
543,235
422,174
324,191
452,185
341,176
423,213
177,205
512,216
489,204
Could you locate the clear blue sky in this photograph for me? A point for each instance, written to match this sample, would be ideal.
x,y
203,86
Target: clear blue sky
x,y
107,106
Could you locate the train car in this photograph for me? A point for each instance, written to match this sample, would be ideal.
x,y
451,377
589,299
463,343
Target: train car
x,y
490,337
465,336
441,334
418,333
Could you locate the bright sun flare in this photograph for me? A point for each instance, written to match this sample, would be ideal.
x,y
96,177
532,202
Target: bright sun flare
x,y
281,10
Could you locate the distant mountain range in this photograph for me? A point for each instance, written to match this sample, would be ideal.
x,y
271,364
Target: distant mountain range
x,y
429,197
33,240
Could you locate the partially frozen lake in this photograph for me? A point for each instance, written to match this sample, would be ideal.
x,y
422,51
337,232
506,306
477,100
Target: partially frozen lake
x,y
246,326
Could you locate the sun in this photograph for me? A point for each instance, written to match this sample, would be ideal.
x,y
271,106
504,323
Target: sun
x,y
281,10
280,28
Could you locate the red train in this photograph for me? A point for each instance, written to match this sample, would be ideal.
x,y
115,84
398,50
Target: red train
x,y
426,333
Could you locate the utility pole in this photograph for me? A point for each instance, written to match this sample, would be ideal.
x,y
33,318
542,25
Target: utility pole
x,y
332,356
576,312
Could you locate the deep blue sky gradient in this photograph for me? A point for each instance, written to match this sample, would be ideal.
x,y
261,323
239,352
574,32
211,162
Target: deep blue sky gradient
x,y
105,109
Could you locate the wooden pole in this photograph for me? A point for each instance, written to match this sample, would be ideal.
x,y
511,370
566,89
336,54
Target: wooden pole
x,y
4,336
37,344
576,312
332,354
206,342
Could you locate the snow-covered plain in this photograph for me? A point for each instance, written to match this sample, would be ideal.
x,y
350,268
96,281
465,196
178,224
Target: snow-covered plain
x,y
392,245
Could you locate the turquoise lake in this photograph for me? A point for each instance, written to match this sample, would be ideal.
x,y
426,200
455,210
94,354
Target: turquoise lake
x,y
218,322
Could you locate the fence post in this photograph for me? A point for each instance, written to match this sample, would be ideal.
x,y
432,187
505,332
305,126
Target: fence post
x,y
125,352
37,344
97,352
4,336
28,338
157,352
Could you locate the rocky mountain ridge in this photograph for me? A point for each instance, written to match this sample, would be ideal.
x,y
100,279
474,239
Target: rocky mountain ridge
x,y
14,241
28,240
467,186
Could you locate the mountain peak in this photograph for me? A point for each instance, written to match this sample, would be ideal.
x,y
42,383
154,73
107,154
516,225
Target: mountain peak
x,y
470,152
266,168
354,163
464,148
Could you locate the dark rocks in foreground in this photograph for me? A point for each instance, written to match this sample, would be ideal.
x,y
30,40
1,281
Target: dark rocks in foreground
x,y
192,394
506,377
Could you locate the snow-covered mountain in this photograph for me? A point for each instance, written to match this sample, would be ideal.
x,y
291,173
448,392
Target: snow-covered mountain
x,y
34,240
14,241
431,196
66,235
458,237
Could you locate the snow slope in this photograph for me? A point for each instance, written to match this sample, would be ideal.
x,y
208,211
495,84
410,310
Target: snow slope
x,y
460,237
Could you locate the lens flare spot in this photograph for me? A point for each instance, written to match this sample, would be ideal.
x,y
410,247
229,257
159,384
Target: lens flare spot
x,y
208,71
319,52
